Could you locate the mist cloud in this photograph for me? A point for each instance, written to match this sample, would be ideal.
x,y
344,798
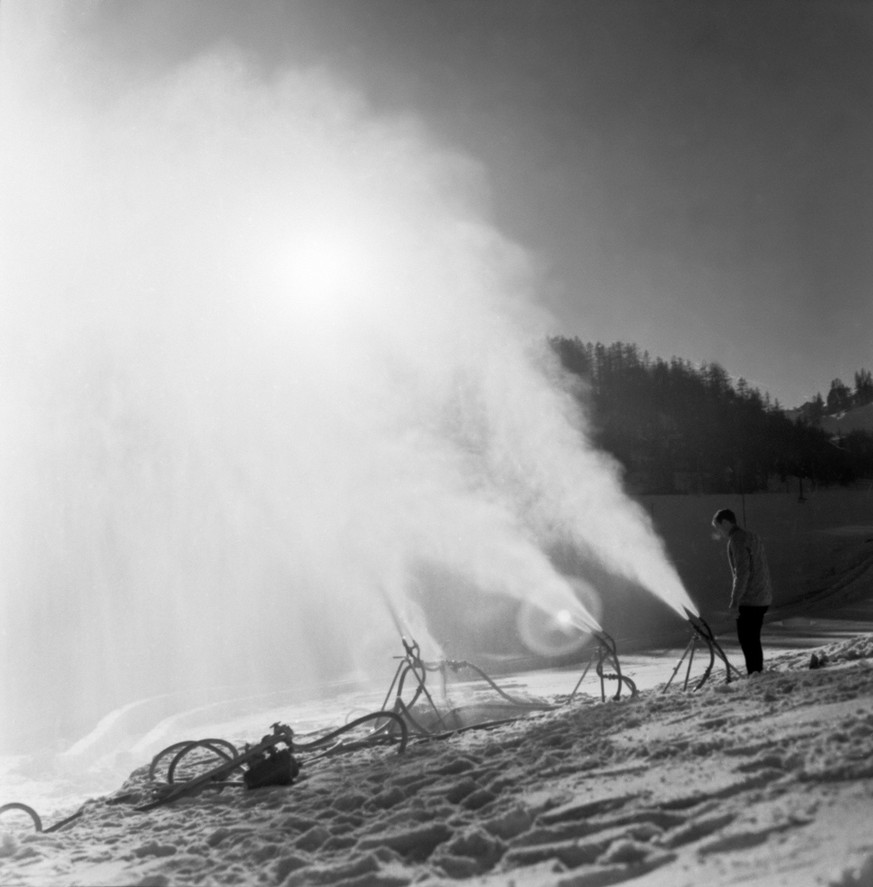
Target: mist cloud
x,y
265,359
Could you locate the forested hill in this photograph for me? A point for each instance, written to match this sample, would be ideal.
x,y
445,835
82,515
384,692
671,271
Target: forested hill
x,y
676,427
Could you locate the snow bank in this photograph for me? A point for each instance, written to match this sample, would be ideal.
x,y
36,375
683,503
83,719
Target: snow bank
x,y
767,780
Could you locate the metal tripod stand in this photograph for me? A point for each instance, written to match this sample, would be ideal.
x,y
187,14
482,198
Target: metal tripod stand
x,y
701,633
605,652
412,665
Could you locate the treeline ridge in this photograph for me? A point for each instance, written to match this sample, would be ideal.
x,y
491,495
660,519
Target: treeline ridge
x,y
680,428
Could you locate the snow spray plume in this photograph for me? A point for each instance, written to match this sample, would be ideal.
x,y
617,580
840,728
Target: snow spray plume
x,y
262,357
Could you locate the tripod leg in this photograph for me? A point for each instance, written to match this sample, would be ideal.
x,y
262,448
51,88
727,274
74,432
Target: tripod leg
x,y
690,660
600,657
678,664
393,683
729,666
582,678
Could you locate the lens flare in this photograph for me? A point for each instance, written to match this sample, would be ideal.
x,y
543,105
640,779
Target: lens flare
x,y
564,618
563,630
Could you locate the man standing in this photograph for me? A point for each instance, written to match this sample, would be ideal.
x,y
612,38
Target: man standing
x,y
751,592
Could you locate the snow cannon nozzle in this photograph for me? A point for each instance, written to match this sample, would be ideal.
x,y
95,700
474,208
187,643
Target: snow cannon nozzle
x,y
699,625
411,649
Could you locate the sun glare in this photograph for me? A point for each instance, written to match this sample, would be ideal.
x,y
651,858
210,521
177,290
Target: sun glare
x,y
322,275
325,263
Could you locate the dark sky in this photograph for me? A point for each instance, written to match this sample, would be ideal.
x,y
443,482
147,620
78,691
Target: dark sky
x,y
694,176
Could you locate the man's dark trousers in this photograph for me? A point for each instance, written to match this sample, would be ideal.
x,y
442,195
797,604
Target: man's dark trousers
x,y
749,624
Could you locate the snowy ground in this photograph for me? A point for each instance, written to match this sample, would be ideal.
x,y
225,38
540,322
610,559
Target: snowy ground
x,y
762,781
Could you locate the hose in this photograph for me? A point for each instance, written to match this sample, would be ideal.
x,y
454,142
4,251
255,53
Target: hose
x,y
37,822
377,715
184,747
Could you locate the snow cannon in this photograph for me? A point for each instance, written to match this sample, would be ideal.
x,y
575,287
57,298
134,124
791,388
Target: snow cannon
x,y
701,633
606,652
425,716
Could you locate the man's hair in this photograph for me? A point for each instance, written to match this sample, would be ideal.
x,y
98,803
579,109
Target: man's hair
x,y
722,515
